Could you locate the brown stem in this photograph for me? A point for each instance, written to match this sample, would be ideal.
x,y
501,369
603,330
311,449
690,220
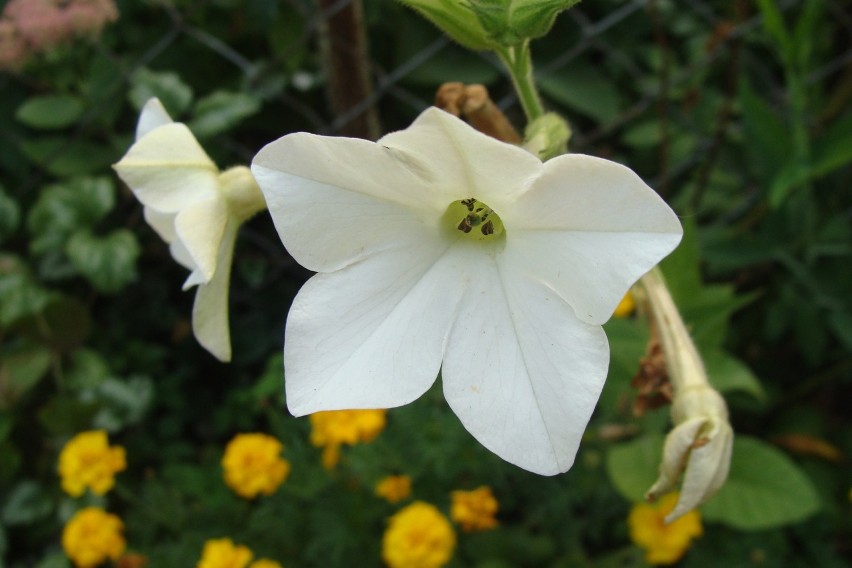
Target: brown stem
x,y
344,47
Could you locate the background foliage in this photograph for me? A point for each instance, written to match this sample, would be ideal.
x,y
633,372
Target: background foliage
x,y
737,112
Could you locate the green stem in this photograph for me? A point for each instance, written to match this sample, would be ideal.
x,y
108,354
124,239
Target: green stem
x,y
518,61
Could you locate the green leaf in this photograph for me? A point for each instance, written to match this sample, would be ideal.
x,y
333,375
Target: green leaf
x,y
62,325
584,89
727,373
766,137
765,489
64,157
66,416
88,369
124,402
50,112
633,466
220,111
175,95
20,295
109,263
20,371
10,215
26,504
54,561
774,24
65,208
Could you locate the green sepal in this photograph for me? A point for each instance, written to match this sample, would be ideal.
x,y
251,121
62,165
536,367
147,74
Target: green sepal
x,y
512,22
457,20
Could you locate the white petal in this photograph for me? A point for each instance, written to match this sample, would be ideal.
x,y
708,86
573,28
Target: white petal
x,y
706,470
153,115
325,226
167,169
182,256
162,223
464,162
200,227
589,228
210,310
372,334
520,371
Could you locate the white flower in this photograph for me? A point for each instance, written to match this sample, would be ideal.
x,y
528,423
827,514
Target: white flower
x,y
438,248
196,209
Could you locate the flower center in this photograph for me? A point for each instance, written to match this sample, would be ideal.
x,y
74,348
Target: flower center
x,y
242,192
472,219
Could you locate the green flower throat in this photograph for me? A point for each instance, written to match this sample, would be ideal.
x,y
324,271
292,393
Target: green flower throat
x,y
473,219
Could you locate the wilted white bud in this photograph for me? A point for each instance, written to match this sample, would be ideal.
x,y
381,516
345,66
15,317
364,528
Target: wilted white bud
x,y
700,444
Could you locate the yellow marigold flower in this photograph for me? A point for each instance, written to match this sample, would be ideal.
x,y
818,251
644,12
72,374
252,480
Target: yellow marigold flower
x,y
474,510
223,553
394,488
626,306
418,536
93,536
332,428
253,465
264,563
663,543
87,460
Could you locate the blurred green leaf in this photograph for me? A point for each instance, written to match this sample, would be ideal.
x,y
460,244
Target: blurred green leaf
x,y
221,111
50,112
765,489
54,561
767,141
63,157
20,371
62,209
20,294
124,402
633,466
10,215
26,504
167,86
727,373
585,89
109,262
67,416
87,370
62,325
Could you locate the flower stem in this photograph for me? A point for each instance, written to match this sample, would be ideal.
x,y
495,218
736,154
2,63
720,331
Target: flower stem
x,y
686,369
518,61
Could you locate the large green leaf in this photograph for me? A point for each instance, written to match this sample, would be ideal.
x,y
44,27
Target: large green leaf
x,y
511,22
584,89
50,112
109,263
633,466
727,373
765,489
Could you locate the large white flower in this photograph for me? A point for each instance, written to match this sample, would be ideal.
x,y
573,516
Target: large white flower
x,y
196,209
438,248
